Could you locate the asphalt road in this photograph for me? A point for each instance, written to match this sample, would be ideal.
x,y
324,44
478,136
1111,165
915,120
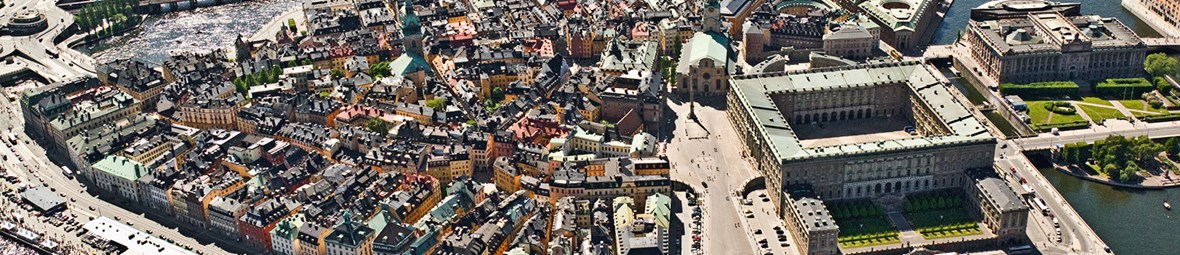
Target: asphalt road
x,y
1114,127
68,64
1076,234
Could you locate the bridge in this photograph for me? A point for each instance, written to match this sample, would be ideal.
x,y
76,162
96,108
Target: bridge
x,y
1113,127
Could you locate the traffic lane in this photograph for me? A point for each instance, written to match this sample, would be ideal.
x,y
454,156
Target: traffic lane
x,y
1069,219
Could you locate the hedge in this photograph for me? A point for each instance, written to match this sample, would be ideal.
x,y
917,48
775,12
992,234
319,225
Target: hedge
x,y
1061,107
1061,126
1160,117
1123,88
1041,89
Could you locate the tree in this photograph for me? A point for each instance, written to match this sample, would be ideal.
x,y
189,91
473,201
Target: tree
x,y
1111,170
1162,85
377,125
1171,146
380,69
1067,154
498,94
337,73
437,103
1160,64
273,75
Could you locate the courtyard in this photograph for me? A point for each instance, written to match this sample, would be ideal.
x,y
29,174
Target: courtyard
x,y
852,131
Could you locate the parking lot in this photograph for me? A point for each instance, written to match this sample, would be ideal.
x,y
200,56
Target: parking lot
x,y
767,232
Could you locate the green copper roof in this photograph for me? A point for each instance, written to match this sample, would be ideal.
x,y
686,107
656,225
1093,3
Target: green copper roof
x,y
705,45
897,19
407,63
754,98
122,167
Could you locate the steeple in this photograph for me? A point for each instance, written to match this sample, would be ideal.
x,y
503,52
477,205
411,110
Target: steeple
x,y
711,17
411,29
410,23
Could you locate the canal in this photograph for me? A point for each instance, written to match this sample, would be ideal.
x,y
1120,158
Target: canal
x,y
1130,221
200,30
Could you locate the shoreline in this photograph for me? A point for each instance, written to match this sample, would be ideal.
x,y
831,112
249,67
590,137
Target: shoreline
x,y
1091,178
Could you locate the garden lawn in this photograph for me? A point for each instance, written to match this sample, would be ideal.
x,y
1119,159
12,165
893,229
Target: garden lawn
x,y
1041,116
943,223
1097,114
866,231
862,224
1140,105
1095,100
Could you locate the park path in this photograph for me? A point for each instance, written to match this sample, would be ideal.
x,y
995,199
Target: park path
x,y
1123,109
1085,115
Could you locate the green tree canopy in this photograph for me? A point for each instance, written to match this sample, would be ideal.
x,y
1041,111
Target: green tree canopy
x,y
380,69
1159,64
337,73
1171,146
437,103
378,125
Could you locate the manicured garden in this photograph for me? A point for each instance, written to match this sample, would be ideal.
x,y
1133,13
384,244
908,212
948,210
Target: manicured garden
x,y
1049,114
862,223
1098,114
1095,100
940,215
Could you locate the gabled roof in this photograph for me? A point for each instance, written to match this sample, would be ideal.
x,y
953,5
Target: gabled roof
x,y
409,62
706,45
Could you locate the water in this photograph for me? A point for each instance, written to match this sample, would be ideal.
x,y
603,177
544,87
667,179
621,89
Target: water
x,y
201,30
956,18
1129,221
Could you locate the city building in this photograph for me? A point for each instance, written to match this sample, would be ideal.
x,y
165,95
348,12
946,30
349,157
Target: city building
x,y
911,133
707,60
118,175
1049,46
1004,213
1167,10
853,41
284,238
350,238
809,222
903,22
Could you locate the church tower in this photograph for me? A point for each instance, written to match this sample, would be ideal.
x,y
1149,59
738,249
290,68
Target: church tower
x,y
711,17
411,29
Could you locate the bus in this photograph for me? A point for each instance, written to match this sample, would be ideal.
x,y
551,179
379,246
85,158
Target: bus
x,y
1041,205
1021,249
66,171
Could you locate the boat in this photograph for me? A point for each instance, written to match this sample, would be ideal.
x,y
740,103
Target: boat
x,y
1167,205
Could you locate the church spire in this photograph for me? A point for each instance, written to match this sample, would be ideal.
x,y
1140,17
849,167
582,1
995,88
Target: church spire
x,y
411,29
711,17
410,23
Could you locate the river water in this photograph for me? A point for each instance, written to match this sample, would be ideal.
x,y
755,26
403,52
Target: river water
x,y
1129,221
200,30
